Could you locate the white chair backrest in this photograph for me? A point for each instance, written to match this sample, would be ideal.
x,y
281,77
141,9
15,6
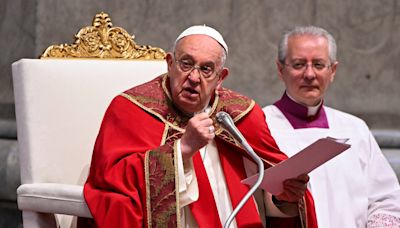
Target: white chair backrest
x,y
59,108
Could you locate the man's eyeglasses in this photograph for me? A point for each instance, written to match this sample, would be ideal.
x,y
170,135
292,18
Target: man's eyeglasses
x,y
302,66
187,66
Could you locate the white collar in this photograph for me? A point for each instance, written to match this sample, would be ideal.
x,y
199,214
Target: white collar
x,y
311,110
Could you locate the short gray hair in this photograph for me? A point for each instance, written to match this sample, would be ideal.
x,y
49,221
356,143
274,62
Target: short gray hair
x,y
307,30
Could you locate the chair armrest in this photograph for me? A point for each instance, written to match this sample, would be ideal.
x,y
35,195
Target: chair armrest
x,y
53,198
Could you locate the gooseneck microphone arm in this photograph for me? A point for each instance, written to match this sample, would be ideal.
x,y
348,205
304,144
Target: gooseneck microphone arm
x,y
226,121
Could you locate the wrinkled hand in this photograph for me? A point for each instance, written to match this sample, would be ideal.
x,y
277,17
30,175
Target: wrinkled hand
x,y
198,133
294,189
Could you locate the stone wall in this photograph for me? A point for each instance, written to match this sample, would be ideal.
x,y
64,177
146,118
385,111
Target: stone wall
x,y
366,32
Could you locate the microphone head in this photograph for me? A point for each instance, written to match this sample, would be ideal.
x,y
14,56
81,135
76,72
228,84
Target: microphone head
x,y
227,123
225,120
221,116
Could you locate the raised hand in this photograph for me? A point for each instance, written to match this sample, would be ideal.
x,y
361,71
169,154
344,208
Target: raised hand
x,y
198,133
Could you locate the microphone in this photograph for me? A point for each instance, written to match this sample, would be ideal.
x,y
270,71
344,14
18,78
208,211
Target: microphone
x,y
227,123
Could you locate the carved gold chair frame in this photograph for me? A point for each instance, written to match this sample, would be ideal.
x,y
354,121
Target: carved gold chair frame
x,y
103,41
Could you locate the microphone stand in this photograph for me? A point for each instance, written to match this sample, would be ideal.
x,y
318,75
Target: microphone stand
x,y
230,127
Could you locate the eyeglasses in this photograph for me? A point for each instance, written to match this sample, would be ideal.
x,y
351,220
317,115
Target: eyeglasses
x,y
302,66
187,66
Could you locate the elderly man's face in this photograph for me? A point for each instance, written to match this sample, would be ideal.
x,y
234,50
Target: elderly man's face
x,y
190,90
307,71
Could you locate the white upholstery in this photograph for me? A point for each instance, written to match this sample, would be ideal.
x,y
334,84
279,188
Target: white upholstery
x,y
47,198
59,107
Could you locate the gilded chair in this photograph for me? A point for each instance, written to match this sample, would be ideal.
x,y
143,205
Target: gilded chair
x,y
60,100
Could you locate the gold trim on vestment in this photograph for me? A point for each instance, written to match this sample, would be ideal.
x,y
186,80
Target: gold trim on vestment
x,y
215,104
303,212
129,97
164,86
147,182
219,130
178,205
251,106
159,115
162,186
163,141
165,135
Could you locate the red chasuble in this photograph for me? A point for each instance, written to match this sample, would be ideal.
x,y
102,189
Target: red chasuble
x,y
133,176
